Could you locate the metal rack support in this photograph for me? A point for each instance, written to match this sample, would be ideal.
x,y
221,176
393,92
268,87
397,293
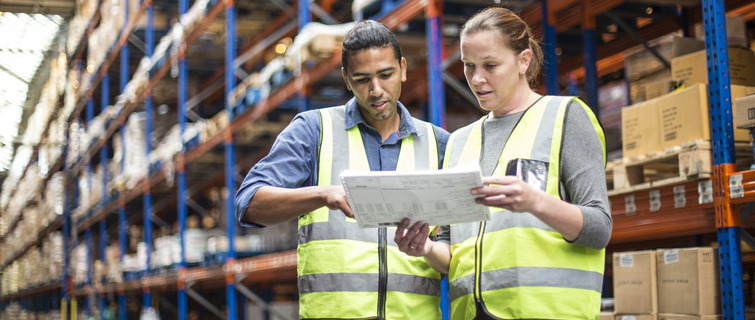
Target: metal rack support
x,y
590,55
182,96
436,112
727,216
150,43
230,83
549,50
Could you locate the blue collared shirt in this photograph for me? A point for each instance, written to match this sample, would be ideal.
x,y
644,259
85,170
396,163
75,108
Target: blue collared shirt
x,y
292,161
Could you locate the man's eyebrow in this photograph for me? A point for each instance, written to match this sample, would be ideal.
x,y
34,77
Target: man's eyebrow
x,y
362,74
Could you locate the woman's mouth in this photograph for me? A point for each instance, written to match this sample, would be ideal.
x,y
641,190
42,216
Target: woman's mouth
x,y
483,94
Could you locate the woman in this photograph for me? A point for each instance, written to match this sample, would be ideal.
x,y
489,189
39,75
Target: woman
x,y
541,255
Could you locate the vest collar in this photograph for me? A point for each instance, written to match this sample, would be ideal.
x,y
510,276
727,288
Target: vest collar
x,y
405,128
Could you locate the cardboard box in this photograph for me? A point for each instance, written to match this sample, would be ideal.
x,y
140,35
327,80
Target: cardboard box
x,y
744,111
688,281
736,31
684,116
634,283
672,316
606,315
682,46
657,88
692,68
636,317
640,129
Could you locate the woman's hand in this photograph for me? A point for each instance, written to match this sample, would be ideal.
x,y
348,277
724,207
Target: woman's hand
x,y
510,193
413,240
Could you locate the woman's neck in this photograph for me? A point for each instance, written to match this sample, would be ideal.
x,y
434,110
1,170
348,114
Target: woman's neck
x,y
519,102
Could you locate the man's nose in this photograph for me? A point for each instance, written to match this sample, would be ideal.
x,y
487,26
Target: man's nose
x,y
375,88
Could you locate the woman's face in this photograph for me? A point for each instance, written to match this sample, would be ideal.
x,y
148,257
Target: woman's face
x,y
494,71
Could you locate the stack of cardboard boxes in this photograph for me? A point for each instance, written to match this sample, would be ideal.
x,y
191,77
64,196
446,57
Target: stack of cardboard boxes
x,y
670,119
667,284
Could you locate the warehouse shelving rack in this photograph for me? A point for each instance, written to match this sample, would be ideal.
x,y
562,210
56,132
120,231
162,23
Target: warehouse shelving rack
x,y
642,225
283,262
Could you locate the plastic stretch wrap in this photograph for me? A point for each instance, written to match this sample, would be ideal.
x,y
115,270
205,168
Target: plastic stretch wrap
x,y
113,269
316,41
136,154
78,264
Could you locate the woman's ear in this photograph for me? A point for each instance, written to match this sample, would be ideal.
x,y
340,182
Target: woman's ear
x,y
525,57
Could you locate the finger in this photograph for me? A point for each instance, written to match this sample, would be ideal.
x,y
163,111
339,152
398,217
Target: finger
x,y
419,239
409,236
500,180
347,211
400,230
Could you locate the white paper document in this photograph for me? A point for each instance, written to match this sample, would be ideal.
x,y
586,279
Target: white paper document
x,y
437,197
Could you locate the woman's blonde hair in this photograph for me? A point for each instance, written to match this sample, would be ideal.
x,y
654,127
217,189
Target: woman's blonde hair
x,y
516,34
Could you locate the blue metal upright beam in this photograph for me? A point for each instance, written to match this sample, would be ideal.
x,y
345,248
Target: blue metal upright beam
x,y
105,87
590,57
88,232
549,51
121,207
88,239
150,43
305,17
182,97
728,219
66,232
436,112
230,83
305,13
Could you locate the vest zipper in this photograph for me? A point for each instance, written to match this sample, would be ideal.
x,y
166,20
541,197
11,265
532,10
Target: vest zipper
x,y
478,264
383,272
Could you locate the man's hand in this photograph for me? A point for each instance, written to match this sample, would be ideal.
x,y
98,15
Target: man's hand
x,y
335,199
413,241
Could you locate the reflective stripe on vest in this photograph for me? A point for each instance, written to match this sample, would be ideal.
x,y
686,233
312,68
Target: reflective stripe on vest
x,y
338,261
516,265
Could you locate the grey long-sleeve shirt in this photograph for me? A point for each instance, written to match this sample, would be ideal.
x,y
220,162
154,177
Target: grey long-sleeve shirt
x,y
583,181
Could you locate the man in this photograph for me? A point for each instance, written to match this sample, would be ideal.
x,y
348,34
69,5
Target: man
x,y
345,272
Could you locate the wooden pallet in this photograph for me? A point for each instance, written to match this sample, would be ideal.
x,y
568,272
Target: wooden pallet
x,y
690,161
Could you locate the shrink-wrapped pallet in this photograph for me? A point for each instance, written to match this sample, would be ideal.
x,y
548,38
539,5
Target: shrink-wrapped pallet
x,y
136,158
79,266
316,41
113,270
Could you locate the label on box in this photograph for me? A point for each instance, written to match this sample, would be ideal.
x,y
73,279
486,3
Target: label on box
x,y
671,256
736,190
625,317
629,206
655,200
705,189
680,197
626,260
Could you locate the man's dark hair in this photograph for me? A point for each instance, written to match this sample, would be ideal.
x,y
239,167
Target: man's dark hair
x,y
368,34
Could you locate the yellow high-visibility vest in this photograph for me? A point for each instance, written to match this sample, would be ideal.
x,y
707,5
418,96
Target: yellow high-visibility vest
x,y
514,265
346,272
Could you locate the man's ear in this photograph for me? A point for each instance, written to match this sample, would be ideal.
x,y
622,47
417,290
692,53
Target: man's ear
x,y
345,79
403,69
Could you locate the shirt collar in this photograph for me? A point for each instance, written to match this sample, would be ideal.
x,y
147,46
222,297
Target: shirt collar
x,y
405,127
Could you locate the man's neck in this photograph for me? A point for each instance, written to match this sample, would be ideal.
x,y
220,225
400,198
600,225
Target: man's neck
x,y
387,127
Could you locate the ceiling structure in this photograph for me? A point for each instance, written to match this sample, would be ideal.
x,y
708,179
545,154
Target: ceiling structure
x,y
24,42
647,18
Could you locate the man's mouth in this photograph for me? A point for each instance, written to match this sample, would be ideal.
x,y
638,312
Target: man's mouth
x,y
379,105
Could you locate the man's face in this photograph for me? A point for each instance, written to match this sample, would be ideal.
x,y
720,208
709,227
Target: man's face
x,y
375,77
